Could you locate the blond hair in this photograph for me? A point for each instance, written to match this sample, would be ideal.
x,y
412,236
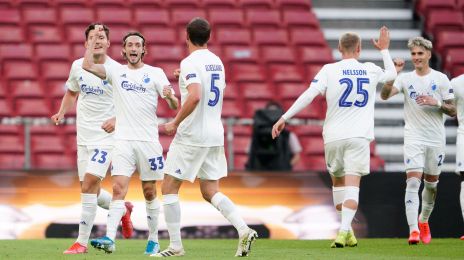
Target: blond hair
x,y
349,41
420,42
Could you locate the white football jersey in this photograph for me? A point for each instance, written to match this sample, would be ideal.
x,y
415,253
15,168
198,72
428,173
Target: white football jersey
x,y
203,127
349,87
458,88
424,124
94,104
135,101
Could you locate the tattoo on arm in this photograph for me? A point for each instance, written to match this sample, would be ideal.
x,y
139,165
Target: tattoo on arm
x,y
449,107
386,90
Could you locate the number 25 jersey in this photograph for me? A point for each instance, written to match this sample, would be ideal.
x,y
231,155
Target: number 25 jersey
x,y
349,87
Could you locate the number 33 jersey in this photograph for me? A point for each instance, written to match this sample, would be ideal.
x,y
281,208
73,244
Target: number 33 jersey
x,y
203,127
349,87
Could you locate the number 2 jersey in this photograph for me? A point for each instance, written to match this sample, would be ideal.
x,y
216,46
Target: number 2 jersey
x,y
203,127
94,105
349,87
424,124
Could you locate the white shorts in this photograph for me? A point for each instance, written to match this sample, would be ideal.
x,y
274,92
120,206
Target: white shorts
x,y
348,156
93,159
145,157
460,153
187,162
423,158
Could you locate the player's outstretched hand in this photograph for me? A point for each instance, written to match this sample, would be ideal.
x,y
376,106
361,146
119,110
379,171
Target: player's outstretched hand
x,y
176,73
384,39
57,118
277,128
399,64
109,125
170,128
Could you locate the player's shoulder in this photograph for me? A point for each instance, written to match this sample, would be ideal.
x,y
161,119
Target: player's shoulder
x,y
458,80
77,62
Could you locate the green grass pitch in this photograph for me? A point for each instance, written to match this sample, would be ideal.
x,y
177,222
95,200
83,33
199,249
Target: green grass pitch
x,y
262,249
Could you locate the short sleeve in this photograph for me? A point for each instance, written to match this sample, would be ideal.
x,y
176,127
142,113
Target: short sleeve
x,y
109,70
71,83
320,81
189,73
446,89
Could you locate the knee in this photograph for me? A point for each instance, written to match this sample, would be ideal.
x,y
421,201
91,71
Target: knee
x,y
413,184
119,190
90,185
207,196
149,193
351,196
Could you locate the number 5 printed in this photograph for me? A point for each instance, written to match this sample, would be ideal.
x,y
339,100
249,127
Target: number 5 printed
x,y
154,165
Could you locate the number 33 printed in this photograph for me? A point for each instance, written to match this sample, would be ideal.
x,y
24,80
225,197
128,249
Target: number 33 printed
x,y
154,165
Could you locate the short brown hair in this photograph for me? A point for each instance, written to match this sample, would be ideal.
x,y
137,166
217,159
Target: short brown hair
x,y
349,41
198,31
92,27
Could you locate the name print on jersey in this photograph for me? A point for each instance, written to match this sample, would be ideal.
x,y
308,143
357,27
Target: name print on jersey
x,y
91,90
133,87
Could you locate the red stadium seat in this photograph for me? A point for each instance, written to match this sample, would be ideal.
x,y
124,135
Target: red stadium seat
x,y
279,55
47,144
11,161
316,55
377,164
37,16
240,161
31,107
231,92
453,58
19,70
114,16
253,105
231,109
71,3
247,73
226,18
315,163
182,3
307,37
257,91
34,3
44,34
291,91
182,17
448,39
152,17
53,162
26,88
311,71
285,73
256,4
457,70
11,130
159,36
55,88
82,16
308,130
460,4
220,4
243,130
263,18
165,141
313,111
300,18
241,144
117,33
444,20
11,144
424,7
270,37
16,52
6,109
293,4
56,106
46,52
11,34
76,35
10,17
313,145
233,36
108,3
45,130
241,55
55,70
146,3
3,90
163,109
168,68
166,53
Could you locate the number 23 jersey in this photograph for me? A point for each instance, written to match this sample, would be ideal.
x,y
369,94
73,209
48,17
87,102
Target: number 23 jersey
x,y
349,87
203,127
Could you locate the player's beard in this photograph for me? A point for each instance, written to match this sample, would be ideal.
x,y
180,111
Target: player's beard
x,y
134,61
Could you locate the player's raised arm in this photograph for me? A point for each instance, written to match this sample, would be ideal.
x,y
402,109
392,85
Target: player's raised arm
x,y
382,44
172,100
88,64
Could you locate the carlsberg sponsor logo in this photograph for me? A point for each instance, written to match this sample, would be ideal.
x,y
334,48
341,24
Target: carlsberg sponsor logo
x,y
132,87
91,90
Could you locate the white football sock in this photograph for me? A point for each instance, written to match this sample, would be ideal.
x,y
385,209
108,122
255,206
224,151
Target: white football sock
x,y
104,199
89,210
172,216
411,201
229,211
153,210
429,193
338,195
351,193
461,198
115,213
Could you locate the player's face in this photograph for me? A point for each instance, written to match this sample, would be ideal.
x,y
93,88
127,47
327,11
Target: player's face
x,y
420,57
134,49
102,43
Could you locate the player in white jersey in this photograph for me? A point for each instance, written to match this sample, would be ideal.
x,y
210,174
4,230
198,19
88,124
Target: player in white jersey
x,y
95,125
427,97
197,150
458,87
349,88
137,87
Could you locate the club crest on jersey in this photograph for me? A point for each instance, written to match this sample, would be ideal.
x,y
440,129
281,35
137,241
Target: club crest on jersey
x,y
433,86
133,87
190,76
91,90
146,79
